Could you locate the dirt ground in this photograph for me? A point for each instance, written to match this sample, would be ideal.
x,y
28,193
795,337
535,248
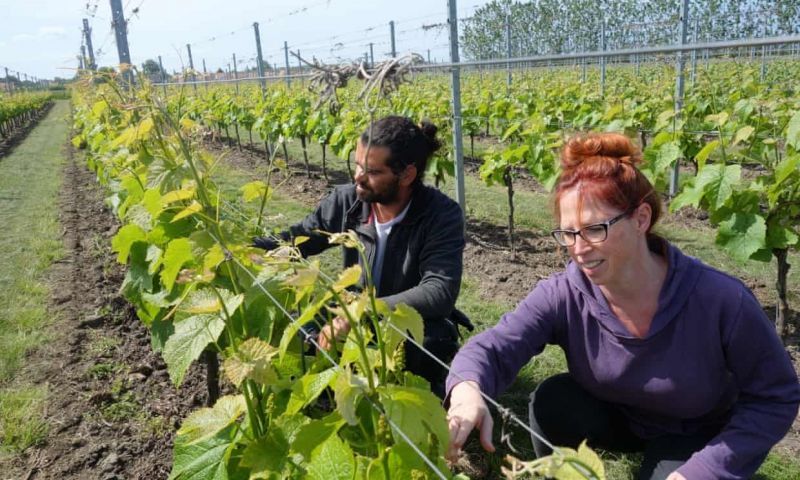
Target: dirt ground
x,y
112,409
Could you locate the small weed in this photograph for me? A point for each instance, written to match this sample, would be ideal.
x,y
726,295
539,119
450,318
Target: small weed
x,y
102,371
101,345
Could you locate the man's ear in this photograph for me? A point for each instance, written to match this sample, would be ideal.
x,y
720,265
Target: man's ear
x,y
408,175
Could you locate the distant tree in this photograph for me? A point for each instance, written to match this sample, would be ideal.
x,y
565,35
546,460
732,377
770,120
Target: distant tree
x,y
541,27
151,68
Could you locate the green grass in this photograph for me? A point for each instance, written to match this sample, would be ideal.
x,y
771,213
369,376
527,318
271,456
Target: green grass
x,y
30,179
534,213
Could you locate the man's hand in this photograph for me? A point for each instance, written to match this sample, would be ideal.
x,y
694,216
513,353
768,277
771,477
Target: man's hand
x,y
467,411
676,476
335,331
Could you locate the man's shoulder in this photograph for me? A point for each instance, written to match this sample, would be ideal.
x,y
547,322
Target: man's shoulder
x,y
433,197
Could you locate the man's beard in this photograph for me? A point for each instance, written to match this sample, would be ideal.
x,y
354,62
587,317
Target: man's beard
x,y
387,196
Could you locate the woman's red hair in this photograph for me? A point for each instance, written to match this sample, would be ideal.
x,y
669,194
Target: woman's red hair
x,y
603,167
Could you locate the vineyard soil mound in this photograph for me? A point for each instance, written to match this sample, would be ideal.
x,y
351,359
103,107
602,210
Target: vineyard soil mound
x,y
112,410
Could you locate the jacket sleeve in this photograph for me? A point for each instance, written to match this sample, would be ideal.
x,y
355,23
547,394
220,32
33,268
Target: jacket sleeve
x,y
440,267
494,357
327,217
769,395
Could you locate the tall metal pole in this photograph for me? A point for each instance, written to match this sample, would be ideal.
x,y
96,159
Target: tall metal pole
x,y
8,81
121,36
260,61
191,67
694,52
87,33
391,32
458,146
508,51
763,63
679,81
83,57
583,65
286,57
163,75
235,74
372,56
603,59
429,55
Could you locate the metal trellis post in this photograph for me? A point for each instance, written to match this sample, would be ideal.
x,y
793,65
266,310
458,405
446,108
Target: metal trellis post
x,y
83,57
286,56
121,36
508,51
391,31
372,55
458,146
191,67
260,61
235,74
163,75
679,81
694,53
87,33
603,59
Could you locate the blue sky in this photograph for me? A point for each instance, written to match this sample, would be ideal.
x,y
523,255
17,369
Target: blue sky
x,y
42,37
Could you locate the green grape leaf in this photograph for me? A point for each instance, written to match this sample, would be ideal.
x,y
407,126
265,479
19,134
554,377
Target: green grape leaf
x,y
332,460
125,237
348,277
267,456
316,432
308,388
407,320
206,460
793,132
347,389
705,152
179,252
743,134
742,235
416,412
193,208
255,191
251,360
204,423
192,335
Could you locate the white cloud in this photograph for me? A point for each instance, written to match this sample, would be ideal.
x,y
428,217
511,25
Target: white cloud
x,y
41,33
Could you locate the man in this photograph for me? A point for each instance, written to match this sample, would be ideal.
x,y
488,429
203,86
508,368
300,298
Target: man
x,y
413,236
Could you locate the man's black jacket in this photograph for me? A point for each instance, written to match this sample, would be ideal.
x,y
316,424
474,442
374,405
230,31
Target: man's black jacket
x,y
422,265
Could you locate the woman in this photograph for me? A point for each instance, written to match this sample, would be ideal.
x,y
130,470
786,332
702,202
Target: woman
x,y
666,355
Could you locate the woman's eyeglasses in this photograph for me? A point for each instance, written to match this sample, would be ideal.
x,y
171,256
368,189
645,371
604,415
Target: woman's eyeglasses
x,y
595,233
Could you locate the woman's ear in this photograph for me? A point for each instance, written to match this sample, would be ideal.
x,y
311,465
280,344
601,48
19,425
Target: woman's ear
x,y
642,215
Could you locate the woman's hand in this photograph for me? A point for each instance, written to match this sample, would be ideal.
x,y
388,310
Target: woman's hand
x,y
467,411
335,331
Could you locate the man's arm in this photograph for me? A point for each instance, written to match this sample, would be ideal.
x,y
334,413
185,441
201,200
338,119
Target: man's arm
x,y
327,217
440,266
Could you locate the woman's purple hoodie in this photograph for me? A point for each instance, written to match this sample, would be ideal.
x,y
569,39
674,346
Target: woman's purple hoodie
x,y
711,358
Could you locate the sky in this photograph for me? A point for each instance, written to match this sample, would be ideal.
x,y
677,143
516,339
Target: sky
x,y
42,38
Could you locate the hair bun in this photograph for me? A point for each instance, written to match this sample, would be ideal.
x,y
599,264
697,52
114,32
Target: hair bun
x,y
429,130
605,147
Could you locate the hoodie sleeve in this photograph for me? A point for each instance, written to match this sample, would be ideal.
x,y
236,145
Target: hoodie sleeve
x,y
494,357
769,395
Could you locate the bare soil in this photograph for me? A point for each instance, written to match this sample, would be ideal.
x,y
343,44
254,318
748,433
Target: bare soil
x,y
112,410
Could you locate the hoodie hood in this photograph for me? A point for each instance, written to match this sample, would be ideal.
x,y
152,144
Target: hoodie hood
x,y
683,273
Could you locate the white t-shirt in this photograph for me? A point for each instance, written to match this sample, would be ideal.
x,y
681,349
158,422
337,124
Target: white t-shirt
x,y
383,230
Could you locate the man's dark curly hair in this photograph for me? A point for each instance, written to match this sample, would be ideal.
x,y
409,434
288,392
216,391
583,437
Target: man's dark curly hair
x,y
408,143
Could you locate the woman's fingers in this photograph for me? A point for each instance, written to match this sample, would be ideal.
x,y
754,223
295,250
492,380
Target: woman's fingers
x,y
486,427
459,432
